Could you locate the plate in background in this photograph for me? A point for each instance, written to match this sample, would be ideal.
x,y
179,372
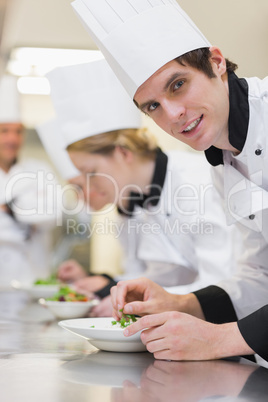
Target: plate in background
x,y
69,309
36,291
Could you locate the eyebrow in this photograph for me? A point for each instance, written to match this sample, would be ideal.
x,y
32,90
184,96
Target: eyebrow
x,y
171,79
166,86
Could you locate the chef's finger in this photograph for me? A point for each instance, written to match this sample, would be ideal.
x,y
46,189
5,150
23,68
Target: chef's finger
x,y
145,322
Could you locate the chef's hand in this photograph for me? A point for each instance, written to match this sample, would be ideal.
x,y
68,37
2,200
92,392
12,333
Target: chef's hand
x,y
179,336
142,296
91,283
103,309
70,271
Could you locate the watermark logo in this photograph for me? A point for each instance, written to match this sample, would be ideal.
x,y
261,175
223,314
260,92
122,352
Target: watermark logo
x,y
138,228
38,194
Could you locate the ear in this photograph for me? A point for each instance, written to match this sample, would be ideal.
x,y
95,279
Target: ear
x,y
217,60
125,154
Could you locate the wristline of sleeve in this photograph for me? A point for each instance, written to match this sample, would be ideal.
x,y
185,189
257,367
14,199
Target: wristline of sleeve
x,y
254,329
105,291
216,305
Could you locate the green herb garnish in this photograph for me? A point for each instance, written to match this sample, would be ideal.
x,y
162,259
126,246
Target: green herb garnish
x,y
126,320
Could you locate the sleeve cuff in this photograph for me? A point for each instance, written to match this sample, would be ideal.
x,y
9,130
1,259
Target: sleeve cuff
x,y
216,305
254,329
105,291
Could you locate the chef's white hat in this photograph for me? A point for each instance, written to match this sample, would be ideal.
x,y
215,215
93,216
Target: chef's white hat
x,y
137,37
54,144
90,100
9,100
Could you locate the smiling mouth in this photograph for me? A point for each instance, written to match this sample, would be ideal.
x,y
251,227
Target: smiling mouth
x,y
193,125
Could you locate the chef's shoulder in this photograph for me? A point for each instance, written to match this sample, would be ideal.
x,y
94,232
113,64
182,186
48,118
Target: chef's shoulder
x,y
258,88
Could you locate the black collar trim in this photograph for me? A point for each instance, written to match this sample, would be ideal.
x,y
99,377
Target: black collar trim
x,y
238,118
156,186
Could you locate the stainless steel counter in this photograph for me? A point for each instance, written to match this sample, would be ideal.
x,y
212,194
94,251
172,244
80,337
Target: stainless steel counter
x,y
39,361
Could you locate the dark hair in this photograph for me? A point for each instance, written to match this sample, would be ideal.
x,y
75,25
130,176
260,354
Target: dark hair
x,y
200,59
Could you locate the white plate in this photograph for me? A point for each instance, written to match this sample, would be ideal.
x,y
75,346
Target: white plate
x,y
104,335
36,291
69,309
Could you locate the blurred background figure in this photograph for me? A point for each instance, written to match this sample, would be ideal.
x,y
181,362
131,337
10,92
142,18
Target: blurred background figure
x,y
70,197
27,213
78,204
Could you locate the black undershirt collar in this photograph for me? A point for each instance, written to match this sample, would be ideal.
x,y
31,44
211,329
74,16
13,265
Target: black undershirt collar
x,y
144,200
238,118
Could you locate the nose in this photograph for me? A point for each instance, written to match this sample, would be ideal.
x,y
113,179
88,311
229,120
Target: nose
x,y
174,111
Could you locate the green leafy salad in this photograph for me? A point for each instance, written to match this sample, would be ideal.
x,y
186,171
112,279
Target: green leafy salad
x,y
66,294
51,280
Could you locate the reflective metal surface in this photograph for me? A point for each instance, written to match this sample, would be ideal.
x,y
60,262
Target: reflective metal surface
x,y
39,361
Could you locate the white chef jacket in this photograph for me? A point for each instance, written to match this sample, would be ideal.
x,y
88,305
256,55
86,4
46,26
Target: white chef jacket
x,y
25,237
183,242
245,193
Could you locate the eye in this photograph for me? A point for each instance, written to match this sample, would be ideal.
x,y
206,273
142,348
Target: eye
x,y
178,84
152,106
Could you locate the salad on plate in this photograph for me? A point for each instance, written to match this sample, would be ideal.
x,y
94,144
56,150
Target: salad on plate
x,y
67,294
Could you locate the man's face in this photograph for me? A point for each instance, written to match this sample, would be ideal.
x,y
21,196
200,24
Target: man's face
x,y
187,104
11,139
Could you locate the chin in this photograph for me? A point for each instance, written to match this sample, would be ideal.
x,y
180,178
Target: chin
x,y
11,161
200,147
196,146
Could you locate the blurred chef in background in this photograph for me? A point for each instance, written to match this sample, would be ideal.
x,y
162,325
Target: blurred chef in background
x,y
78,201
102,130
27,214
